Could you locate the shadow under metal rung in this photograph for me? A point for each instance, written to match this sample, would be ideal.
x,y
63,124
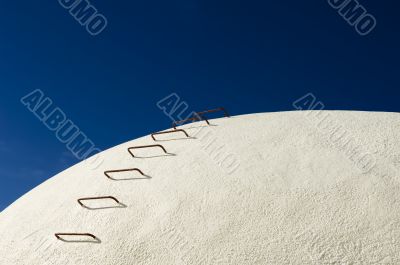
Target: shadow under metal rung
x,y
122,170
60,235
165,132
196,117
146,146
97,198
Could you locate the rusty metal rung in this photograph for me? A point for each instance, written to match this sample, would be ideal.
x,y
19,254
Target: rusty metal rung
x,y
214,110
165,132
96,198
59,235
122,170
146,146
198,117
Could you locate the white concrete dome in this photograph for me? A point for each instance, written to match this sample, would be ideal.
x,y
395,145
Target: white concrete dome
x,y
273,188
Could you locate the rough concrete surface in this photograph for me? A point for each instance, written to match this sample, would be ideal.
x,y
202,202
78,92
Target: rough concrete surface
x,y
269,188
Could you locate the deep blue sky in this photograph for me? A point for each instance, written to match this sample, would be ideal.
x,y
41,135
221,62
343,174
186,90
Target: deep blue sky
x,y
249,56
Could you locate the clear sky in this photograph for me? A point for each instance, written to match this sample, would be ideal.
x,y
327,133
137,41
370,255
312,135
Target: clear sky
x,y
248,56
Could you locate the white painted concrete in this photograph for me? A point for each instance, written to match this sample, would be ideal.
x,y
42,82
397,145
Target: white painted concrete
x,y
298,196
